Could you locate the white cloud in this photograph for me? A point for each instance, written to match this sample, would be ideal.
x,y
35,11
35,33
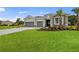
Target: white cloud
x,y
10,19
1,18
2,9
15,18
41,13
47,12
22,12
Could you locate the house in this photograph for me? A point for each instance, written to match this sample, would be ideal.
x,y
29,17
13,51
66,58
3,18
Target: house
x,y
46,20
6,23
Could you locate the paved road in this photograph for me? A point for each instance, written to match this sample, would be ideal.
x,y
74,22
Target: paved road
x,y
8,31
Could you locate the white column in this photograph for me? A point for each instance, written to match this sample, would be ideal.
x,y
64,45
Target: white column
x,y
54,20
44,23
62,20
24,22
66,20
35,23
51,22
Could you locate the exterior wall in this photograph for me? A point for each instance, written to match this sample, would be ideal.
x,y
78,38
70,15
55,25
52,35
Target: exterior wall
x,y
52,20
59,21
55,21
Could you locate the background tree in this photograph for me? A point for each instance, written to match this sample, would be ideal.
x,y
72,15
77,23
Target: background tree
x,y
76,11
72,20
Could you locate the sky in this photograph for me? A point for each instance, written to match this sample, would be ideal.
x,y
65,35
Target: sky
x,y
12,13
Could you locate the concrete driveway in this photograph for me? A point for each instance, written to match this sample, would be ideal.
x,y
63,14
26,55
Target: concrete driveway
x,y
8,31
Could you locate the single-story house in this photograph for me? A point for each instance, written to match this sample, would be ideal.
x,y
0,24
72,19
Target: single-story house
x,y
6,23
46,20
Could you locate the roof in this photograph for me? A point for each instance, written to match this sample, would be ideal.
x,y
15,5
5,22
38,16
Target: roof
x,y
46,16
39,17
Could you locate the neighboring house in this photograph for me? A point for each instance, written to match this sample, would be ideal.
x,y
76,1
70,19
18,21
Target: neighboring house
x,y
6,23
46,20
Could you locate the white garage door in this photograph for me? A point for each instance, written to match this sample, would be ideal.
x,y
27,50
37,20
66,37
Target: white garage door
x,y
29,24
40,24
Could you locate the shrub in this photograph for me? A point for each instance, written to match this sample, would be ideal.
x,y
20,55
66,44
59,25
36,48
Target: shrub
x,y
58,28
55,28
4,25
71,27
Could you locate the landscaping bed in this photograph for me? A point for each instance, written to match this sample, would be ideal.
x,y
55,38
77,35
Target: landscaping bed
x,y
58,28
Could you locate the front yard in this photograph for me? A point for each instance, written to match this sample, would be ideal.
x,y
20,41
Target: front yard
x,y
44,41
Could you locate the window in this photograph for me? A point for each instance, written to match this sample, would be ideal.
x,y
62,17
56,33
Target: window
x,y
56,19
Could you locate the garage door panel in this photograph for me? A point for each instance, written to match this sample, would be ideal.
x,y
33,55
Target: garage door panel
x,y
29,24
40,24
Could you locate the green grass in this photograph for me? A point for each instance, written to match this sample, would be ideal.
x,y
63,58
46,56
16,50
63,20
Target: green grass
x,y
7,27
44,41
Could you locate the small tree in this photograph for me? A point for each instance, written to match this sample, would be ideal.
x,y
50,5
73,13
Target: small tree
x,y
72,20
21,22
17,21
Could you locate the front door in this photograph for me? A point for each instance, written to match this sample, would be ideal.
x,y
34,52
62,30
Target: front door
x,y
47,23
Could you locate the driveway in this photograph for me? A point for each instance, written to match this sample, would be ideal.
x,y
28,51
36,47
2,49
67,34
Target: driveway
x,y
8,31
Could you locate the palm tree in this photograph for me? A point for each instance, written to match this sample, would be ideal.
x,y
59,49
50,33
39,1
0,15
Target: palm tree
x,y
76,11
60,13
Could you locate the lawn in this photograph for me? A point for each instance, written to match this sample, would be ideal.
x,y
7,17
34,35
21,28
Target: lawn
x,y
7,27
40,41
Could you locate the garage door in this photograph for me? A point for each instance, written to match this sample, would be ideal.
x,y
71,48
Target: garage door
x,y
40,24
29,24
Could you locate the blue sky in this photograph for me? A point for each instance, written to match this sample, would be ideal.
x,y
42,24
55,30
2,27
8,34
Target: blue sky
x,y
11,13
